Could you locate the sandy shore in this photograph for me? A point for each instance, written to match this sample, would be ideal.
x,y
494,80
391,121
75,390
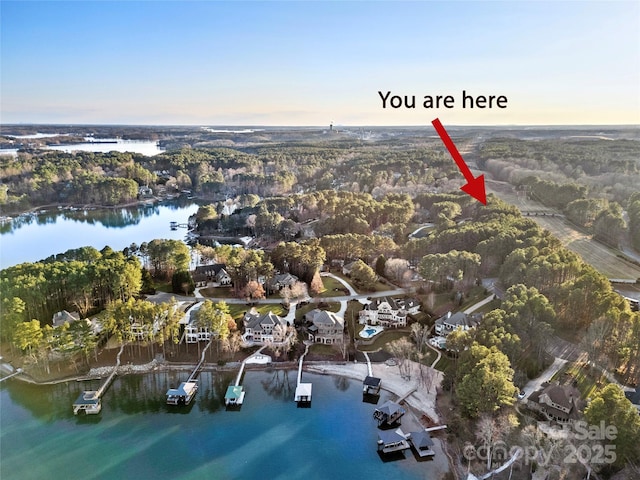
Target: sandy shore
x,y
421,401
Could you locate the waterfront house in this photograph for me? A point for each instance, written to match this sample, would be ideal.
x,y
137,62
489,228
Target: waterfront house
x,y
558,403
325,327
193,332
386,312
450,322
264,329
389,412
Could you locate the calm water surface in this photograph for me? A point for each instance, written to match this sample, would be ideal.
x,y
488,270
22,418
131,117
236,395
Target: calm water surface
x,y
30,238
137,436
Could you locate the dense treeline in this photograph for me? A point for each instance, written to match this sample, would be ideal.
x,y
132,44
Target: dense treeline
x,y
519,252
85,280
43,177
590,181
80,178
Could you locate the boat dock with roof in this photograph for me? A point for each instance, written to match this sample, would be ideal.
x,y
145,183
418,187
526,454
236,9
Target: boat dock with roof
x,y
89,401
388,413
187,390
234,397
390,441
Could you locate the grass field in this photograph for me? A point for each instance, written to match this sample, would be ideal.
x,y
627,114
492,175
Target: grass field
x,y
237,310
602,258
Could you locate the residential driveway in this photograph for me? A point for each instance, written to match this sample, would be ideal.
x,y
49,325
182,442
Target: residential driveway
x,y
545,376
478,305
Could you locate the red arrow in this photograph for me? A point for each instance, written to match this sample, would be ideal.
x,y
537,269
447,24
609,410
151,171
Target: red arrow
x,y
475,185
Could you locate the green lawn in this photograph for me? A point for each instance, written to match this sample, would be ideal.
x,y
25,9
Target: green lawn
x,y
237,310
383,338
475,295
492,305
216,292
323,350
330,284
164,287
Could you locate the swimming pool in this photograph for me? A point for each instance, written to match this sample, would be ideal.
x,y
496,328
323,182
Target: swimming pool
x,y
369,331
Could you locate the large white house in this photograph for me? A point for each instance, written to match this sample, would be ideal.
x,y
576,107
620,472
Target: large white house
x,y
388,312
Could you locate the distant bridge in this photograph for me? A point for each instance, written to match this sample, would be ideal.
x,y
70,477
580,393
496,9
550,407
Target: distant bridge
x,y
541,213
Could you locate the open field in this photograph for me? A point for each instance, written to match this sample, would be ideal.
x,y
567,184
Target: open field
x,y
601,257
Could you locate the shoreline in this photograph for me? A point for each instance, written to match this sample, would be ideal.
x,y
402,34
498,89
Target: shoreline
x,y
421,401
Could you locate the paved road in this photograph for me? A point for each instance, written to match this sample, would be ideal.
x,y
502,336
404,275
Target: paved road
x,y
161,297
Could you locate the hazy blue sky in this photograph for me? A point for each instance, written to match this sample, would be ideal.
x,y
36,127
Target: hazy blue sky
x,y
306,63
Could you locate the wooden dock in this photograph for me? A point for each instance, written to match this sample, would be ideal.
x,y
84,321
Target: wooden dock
x,y
235,392
303,390
406,395
90,401
187,390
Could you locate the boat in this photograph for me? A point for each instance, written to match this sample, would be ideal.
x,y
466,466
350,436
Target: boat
x,y
183,394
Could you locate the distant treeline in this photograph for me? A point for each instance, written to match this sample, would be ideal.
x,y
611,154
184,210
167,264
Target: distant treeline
x,y
590,181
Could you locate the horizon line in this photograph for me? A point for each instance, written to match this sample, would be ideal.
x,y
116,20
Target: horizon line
x,y
248,125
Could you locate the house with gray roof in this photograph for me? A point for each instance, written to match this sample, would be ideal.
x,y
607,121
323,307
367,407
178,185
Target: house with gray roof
x,y
634,397
264,329
450,322
280,281
559,403
325,327
216,273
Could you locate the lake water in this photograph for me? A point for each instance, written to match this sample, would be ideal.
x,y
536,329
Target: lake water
x,y
30,238
137,436
144,147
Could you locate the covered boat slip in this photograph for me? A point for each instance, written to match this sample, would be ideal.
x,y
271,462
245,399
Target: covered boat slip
x,y
234,396
89,402
388,413
303,392
422,443
390,441
371,385
183,394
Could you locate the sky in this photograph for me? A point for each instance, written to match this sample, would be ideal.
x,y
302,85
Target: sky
x,y
313,63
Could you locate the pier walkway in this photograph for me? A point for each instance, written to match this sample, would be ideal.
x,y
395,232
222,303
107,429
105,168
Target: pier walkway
x,y
187,390
198,369
406,395
303,390
17,372
235,392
